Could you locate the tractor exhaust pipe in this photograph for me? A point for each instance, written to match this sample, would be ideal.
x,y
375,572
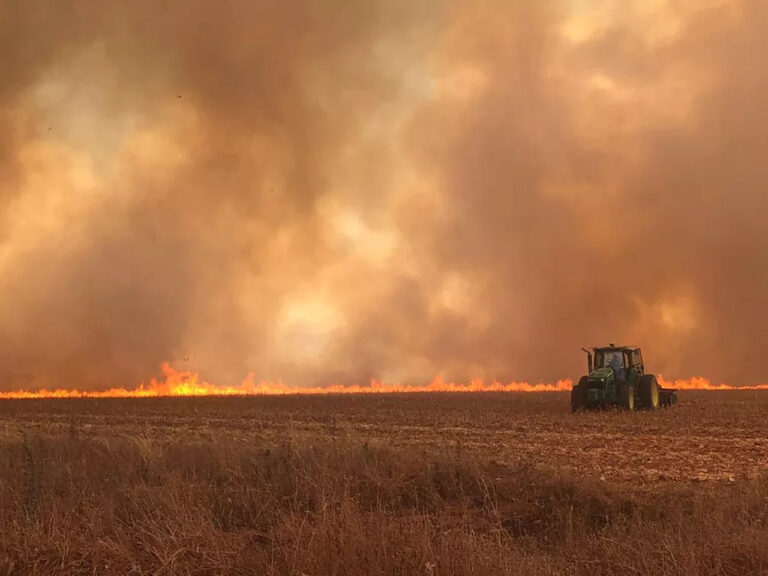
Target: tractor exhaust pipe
x,y
589,360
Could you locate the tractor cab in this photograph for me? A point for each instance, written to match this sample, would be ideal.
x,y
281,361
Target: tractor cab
x,y
624,362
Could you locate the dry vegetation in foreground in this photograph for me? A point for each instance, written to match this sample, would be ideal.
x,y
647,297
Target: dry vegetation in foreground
x,y
79,499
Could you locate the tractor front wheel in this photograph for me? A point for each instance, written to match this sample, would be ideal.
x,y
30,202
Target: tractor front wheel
x,y
650,398
627,397
579,395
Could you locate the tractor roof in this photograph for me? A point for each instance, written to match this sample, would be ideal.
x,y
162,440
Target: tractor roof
x,y
614,347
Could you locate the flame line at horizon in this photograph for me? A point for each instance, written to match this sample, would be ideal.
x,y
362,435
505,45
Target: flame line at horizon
x,y
188,384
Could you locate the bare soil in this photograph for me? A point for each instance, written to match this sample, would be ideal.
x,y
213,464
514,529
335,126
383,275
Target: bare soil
x,y
708,436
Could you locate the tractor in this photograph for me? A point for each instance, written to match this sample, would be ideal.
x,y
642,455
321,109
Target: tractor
x,y
617,378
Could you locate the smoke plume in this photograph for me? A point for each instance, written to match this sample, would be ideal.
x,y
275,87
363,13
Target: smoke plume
x,y
331,192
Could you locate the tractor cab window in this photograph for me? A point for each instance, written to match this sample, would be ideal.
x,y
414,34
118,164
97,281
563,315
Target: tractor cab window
x,y
609,359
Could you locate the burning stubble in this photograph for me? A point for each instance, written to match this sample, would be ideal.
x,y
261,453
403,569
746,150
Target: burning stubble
x,y
333,193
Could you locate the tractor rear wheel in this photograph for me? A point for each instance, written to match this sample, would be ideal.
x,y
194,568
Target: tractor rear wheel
x,y
650,398
627,397
579,395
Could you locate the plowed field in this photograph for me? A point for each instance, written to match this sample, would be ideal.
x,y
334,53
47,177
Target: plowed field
x,y
707,437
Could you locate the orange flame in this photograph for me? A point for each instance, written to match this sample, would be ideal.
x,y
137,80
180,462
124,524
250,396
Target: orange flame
x,y
186,383
698,383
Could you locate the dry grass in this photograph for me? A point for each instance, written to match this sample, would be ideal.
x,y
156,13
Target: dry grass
x,y
81,492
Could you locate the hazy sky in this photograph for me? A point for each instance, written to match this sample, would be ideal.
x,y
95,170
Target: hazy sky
x,y
334,191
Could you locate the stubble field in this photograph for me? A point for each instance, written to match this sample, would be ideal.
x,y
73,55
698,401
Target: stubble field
x,y
383,484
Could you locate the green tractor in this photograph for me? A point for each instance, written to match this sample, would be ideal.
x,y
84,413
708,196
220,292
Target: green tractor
x,y
618,379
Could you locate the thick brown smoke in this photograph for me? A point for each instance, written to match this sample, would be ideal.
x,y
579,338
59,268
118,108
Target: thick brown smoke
x,y
332,191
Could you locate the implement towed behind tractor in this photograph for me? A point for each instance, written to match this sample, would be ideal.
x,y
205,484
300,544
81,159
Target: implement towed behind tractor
x,y
618,379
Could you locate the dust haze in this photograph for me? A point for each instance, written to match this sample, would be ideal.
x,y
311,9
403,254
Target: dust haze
x,y
331,192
